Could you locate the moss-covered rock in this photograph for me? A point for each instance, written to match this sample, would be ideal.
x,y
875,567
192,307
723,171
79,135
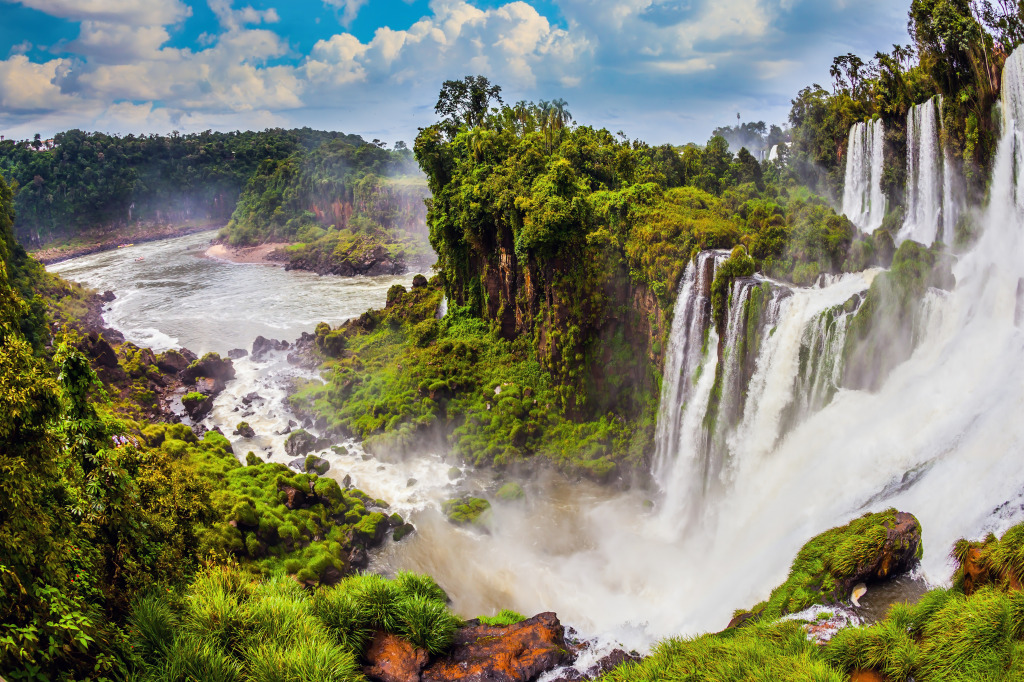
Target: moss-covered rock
x,y
299,443
869,549
510,492
467,511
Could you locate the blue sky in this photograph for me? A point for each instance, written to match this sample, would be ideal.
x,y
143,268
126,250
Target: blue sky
x,y
660,70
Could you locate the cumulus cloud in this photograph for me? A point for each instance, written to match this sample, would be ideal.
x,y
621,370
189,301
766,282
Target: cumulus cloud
x,y
135,12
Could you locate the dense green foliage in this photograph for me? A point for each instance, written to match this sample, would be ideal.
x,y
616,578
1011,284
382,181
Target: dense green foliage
x,y
228,626
86,180
403,376
342,203
957,50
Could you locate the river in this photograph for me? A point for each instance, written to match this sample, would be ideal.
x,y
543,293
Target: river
x,y
600,558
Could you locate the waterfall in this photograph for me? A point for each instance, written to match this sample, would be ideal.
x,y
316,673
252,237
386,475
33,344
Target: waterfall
x,y
933,183
863,201
729,400
692,340
773,155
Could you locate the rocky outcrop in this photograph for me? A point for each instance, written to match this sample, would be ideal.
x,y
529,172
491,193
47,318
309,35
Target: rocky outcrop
x,y
871,549
370,262
513,653
197,405
310,464
211,366
605,665
300,442
261,346
392,659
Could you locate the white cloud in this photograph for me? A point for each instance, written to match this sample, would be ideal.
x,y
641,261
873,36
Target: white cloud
x,y
135,12
236,19
111,42
28,88
349,9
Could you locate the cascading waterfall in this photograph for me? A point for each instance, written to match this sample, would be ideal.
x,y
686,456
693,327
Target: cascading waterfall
x,y
863,200
933,201
688,379
777,362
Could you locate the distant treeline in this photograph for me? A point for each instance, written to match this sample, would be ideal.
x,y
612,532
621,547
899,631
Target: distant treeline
x,y
94,179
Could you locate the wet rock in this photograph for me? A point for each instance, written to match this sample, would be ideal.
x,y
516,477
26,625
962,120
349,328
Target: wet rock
x,y
292,424
402,531
237,353
250,397
107,296
358,558
310,464
300,442
512,653
171,362
453,473
346,482
294,359
261,346
101,352
392,659
209,386
197,408
410,483
244,430
419,281
605,665
211,366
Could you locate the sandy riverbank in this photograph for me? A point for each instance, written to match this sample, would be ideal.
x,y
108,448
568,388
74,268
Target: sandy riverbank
x,y
266,254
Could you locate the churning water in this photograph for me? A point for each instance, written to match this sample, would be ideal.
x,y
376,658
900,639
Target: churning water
x,y
791,455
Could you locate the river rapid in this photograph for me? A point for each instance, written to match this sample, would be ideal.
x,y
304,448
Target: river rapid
x,y
604,560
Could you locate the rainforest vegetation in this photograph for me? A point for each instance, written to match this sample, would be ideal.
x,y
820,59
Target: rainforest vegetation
x,y
336,203
138,550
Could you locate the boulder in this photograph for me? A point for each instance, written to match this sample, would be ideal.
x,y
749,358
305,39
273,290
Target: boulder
x,y
244,430
237,353
392,659
251,397
513,653
603,666
310,464
299,443
197,408
419,281
211,366
107,296
171,362
294,498
261,346
871,549
209,386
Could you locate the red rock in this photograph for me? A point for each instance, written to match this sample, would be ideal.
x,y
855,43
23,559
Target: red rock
x,y
393,659
513,653
866,676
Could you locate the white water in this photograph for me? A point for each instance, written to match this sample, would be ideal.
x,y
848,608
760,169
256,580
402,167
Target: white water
x,y
942,439
863,200
933,182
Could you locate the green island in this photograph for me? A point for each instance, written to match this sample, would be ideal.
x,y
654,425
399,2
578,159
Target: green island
x,y
133,548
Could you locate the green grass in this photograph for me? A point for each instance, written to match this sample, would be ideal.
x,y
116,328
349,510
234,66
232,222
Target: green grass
x,y
231,626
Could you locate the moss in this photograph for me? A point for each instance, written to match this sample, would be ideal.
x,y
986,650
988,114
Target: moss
x,y
502,618
510,492
821,567
467,511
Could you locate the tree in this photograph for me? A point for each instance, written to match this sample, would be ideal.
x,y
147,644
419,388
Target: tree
x,y
467,101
